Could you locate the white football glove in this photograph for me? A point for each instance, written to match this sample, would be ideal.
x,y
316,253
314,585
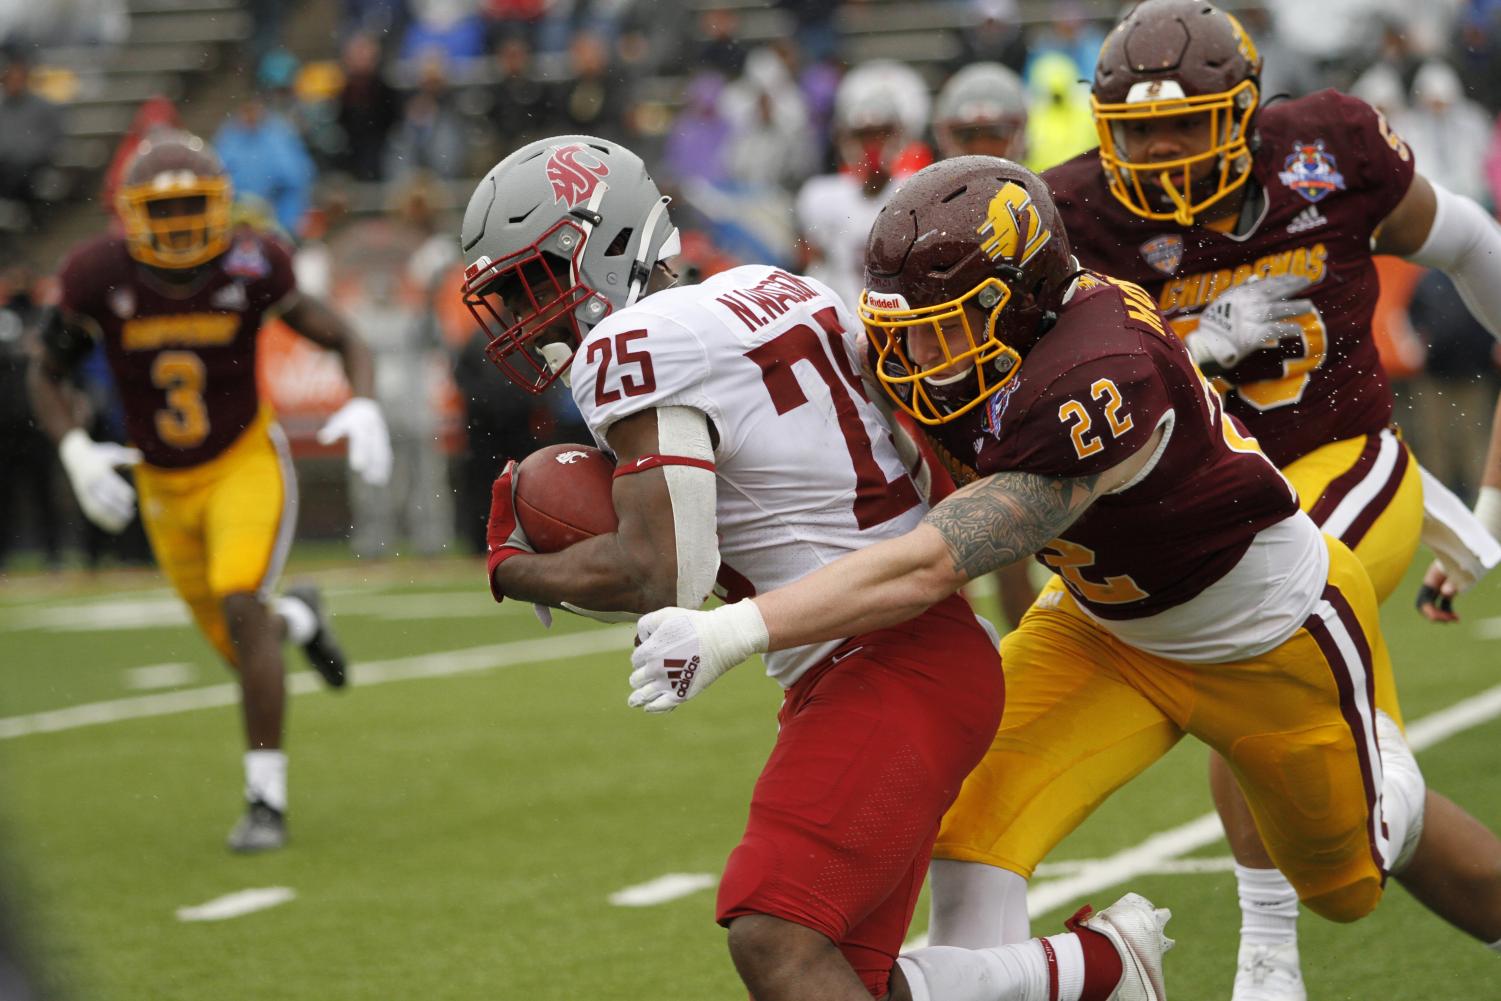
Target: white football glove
x,y
361,422
105,496
680,652
1247,318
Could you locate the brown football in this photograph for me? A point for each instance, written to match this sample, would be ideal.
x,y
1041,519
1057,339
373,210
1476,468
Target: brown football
x,y
563,496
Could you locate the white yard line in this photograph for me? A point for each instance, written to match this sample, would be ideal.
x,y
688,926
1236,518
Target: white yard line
x,y
672,886
236,905
160,675
1167,846
380,672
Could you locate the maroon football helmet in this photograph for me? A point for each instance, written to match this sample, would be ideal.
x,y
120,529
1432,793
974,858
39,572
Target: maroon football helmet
x,y
1170,59
972,253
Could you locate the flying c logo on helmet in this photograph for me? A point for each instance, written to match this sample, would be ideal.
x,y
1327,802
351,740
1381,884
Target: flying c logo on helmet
x,y
574,172
1012,228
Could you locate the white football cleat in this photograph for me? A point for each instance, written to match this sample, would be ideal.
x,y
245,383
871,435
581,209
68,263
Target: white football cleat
x,y
1269,973
1134,927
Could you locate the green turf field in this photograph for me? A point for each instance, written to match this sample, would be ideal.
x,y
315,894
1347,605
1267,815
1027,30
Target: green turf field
x,y
462,816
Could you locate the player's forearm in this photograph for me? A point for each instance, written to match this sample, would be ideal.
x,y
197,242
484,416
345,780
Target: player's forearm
x,y
51,401
359,365
596,573
883,585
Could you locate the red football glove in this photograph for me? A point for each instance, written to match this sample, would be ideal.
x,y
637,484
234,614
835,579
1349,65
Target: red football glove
x,y
504,535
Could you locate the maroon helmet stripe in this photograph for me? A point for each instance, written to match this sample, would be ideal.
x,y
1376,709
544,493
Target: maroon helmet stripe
x,y
1346,481
1344,674
1368,514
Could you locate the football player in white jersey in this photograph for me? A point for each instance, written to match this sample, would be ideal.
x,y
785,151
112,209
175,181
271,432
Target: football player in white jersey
x,y
747,448
880,111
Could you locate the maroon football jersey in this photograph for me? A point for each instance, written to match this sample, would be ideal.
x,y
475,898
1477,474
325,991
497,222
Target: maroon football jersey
x,y
1088,396
183,358
1331,170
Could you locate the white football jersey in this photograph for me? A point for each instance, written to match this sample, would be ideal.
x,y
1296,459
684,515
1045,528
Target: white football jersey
x,y
806,466
835,216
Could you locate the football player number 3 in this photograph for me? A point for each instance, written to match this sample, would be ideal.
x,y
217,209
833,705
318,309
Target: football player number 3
x,y
877,500
183,422
1074,413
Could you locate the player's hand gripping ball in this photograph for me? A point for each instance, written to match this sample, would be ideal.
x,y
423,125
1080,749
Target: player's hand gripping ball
x,y
562,496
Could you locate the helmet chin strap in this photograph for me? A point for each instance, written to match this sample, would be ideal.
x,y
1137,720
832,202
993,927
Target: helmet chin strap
x,y
1183,215
640,268
556,356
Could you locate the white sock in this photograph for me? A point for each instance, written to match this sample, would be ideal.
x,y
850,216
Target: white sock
x,y
1268,907
1004,973
1070,957
302,624
976,906
266,778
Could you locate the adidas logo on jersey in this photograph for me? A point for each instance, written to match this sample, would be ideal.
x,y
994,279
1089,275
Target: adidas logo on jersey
x,y
680,675
1309,218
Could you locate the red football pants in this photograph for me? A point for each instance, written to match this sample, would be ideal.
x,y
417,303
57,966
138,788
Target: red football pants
x,y
875,742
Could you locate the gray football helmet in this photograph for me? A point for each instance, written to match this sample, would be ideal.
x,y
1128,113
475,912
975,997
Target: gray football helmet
x,y
557,236
982,110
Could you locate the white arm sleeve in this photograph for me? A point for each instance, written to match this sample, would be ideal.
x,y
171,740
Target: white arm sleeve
x,y
684,431
1465,243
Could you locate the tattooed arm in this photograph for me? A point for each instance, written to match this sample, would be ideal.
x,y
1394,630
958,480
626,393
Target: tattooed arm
x,y
987,525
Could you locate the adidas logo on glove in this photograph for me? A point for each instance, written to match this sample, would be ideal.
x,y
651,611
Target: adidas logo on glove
x,y
680,675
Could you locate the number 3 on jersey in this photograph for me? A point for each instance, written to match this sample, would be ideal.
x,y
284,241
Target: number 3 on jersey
x,y
1085,443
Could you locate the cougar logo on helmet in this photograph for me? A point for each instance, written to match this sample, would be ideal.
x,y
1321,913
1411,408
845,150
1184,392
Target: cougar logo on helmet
x,y
574,173
1012,224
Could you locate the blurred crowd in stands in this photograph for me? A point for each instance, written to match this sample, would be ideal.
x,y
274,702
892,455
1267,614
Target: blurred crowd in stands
x,y
778,129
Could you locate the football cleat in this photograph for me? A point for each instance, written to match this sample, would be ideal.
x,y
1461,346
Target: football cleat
x,y
1134,926
1268,973
262,829
323,651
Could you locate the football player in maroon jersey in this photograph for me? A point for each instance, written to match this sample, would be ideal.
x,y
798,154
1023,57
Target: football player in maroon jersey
x,y
1193,595
1251,225
176,303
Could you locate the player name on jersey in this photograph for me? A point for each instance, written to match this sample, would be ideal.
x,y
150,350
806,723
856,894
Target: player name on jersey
x,y
771,296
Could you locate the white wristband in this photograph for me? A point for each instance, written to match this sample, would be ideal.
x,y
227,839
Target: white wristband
x,y
1488,510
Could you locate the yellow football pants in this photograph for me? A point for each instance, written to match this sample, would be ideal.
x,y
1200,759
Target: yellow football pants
x,y
223,527
1085,713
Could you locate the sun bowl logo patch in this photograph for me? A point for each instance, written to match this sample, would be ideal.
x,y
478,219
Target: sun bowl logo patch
x,y
1164,252
1311,171
246,260
996,408
574,172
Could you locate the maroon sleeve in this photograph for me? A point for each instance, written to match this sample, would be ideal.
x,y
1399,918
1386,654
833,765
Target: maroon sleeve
x,y
1385,170
1089,419
279,280
80,281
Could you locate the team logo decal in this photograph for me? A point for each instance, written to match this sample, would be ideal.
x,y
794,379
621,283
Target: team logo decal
x,y
246,260
1164,252
122,302
1311,171
996,408
570,457
1012,228
574,172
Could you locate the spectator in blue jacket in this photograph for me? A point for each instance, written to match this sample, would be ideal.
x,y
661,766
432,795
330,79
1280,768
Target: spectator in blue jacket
x,y
266,157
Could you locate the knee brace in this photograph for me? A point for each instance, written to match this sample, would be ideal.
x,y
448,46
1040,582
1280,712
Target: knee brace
x,y
1403,793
